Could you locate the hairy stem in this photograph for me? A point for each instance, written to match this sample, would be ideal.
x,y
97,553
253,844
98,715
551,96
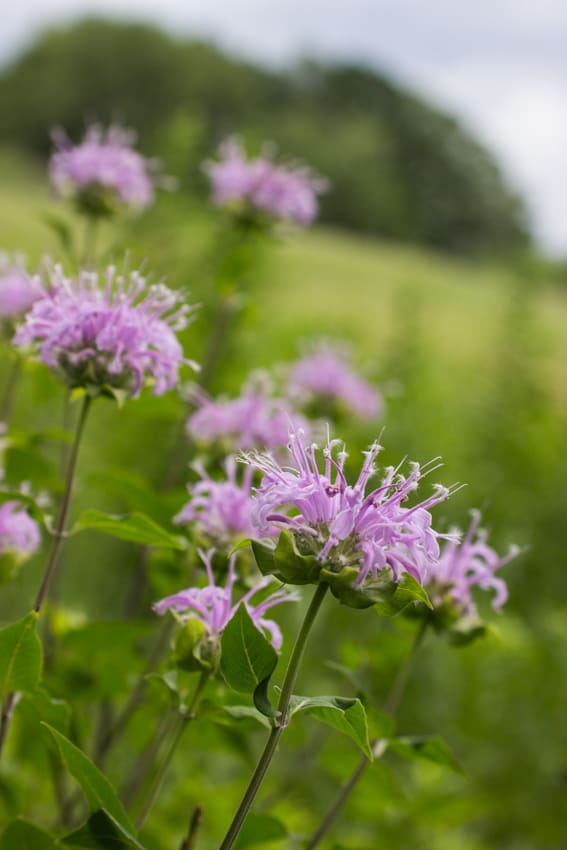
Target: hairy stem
x,y
282,721
378,746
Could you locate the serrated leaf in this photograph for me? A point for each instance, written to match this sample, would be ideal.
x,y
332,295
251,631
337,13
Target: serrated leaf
x,y
403,593
102,832
21,656
433,749
247,658
23,835
260,829
345,714
98,791
135,527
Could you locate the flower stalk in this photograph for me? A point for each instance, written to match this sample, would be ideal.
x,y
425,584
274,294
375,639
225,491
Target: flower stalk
x,y
280,723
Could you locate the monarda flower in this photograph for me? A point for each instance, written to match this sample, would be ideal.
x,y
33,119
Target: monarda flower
x,y
287,192
355,540
468,564
254,420
20,538
206,611
103,172
220,510
325,380
18,289
109,335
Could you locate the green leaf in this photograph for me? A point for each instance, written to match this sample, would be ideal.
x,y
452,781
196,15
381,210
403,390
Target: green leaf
x,y
23,835
98,791
102,832
285,561
21,656
403,593
135,527
246,712
262,699
61,228
433,749
260,829
342,713
247,657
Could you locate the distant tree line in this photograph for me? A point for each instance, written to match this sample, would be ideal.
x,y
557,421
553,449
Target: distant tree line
x,y
398,167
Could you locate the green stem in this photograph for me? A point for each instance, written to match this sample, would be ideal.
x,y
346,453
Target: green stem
x,y
59,534
282,721
7,404
11,699
184,720
378,745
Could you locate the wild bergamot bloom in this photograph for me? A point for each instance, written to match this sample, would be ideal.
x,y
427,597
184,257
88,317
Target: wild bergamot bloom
x,y
467,564
255,419
20,538
325,377
109,334
353,539
280,191
220,509
18,289
103,171
206,611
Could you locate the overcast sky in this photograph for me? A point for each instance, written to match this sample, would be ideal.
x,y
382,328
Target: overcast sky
x,y
501,65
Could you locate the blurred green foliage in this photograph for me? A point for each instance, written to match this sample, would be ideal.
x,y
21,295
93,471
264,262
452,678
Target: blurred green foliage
x,y
398,167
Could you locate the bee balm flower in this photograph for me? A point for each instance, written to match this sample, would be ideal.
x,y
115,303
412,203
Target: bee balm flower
x,y
326,375
213,606
18,289
470,563
19,538
339,527
103,171
111,334
287,192
220,510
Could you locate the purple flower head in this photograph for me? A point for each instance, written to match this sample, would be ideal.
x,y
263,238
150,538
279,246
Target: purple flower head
x,y
340,523
287,192
103,170
220,510
113,333
214,605
326,374
471,563
253,420
18,289
19,533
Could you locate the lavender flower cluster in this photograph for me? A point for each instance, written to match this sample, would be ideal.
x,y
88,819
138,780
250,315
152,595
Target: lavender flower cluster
x,y
114,333
287,192
102,171
18,289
